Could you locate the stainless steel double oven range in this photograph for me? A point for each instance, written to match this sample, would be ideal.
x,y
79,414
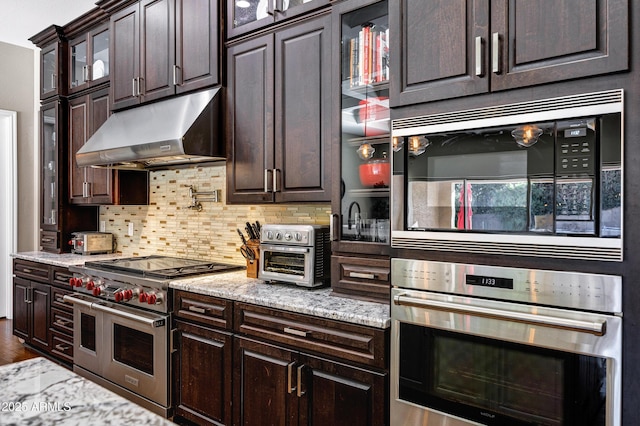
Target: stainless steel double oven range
x,y
496,345
123,323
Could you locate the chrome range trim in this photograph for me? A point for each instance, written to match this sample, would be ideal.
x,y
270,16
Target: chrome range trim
x,y
610,101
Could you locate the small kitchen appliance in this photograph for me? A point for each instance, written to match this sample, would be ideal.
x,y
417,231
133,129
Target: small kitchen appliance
x,y
299,254
92,242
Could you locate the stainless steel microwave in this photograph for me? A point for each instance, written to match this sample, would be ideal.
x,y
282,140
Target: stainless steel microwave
x,y
541,178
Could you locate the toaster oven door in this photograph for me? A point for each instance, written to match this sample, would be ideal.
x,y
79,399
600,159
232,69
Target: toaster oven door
x,y
287,263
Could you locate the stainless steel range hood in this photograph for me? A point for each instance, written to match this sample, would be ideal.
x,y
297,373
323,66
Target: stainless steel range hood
x,y
176,131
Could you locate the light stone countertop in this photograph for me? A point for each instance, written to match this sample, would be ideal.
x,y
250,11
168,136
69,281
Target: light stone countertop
x,y
63,259
316,302
40,392
236,286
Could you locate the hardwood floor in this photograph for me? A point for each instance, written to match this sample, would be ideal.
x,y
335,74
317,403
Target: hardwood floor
x,y
11,350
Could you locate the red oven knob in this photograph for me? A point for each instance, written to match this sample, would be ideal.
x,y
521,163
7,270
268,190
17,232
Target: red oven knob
x,y
118,296
97,290
127,294
72,281
91,285
152,298
142,297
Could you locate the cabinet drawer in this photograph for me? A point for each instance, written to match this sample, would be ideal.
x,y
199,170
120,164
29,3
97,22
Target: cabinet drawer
x,y
60,276
364,278
61,346
49,241
62,321
31,270
203,309
351,342
57,299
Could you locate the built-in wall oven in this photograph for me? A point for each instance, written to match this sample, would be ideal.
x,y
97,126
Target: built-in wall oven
x,y
540,178
484,345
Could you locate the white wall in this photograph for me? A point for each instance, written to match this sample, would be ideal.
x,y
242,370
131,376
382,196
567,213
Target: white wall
x,y
18,78
18,82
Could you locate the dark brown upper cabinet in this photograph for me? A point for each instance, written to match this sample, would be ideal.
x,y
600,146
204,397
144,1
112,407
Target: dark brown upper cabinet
x,y
89,59
244,16
53,56
88,51
453,48
99,186
279,105
163,47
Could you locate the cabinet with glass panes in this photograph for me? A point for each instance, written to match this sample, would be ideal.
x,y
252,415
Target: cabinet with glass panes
x,y
365,168
249,15
360,265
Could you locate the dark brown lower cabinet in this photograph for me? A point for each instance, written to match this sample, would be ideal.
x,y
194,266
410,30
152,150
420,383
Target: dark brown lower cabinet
x,y
242,364
31,312
41,317
279,386
263,384
203,375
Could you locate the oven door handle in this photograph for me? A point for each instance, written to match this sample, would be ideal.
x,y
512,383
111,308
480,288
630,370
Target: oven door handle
x,y
151,322
76,301
594,327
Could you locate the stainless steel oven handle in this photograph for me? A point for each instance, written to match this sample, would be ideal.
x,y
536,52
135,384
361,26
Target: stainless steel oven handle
x,y
153,323
69,298
594,327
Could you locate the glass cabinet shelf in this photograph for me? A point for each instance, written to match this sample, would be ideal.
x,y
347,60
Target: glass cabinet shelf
x,y
365,140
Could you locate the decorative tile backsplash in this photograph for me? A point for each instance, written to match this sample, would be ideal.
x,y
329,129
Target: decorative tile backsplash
x,y
168,226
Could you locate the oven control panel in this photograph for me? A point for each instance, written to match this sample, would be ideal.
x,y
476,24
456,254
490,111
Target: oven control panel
x,y
594,292
298,235
120,292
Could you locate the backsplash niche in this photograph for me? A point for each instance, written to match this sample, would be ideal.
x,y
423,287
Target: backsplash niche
x,y
169,227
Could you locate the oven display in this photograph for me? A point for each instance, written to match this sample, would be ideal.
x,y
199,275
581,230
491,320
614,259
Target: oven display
x,y
484,281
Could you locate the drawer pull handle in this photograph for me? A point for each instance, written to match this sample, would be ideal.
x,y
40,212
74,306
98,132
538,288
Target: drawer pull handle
x,y
27,270
295,332
196,309
362,275
62,348
62,323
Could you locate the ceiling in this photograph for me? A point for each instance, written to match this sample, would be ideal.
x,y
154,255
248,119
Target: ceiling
x,y
21,19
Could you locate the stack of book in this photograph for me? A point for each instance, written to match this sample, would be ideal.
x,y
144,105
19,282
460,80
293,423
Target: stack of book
x,y
367,56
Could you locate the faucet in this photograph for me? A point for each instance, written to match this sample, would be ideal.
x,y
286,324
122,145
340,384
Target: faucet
x,y
357,219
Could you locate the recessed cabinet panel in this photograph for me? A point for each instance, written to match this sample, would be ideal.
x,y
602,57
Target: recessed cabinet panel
x,y
251,110
279,103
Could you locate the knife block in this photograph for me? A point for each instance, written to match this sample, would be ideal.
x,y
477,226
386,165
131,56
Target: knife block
x,y
252,265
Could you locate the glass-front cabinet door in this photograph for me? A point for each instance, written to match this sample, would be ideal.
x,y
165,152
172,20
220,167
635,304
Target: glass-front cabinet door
x,y
365,147
49,168
248,15
89,59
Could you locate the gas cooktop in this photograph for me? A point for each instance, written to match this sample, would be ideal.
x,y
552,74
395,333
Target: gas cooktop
x,y
156,266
